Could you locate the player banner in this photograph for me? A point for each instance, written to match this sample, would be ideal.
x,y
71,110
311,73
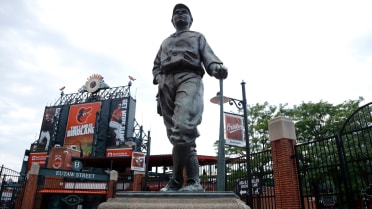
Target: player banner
x,y
138,161
234,134
117,124
45,141
80,126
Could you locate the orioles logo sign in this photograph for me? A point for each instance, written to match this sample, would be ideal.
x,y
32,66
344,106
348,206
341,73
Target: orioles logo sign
x,y
83,114
57,162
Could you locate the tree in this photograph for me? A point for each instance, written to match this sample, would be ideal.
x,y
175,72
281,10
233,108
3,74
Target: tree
x,y
320,120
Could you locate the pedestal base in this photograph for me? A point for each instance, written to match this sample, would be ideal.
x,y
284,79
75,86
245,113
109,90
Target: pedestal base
x,y
160,200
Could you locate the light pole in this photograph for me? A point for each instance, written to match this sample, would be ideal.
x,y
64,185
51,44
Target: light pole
x,y
241,105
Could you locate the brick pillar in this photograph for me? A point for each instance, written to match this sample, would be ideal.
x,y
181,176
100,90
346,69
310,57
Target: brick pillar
x,y
30,187
283,139
112,184
137,180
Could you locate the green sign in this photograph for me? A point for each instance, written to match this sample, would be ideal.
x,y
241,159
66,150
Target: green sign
x,y
74,174
72,200
77,165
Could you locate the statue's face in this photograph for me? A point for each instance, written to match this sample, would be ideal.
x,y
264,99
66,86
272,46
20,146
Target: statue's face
x,y
181,17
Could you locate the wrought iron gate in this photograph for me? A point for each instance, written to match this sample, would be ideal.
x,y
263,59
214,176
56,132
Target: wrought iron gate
x,y
336,172
11,188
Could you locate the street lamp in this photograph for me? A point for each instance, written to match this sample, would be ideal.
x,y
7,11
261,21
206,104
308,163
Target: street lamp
x,y
241,105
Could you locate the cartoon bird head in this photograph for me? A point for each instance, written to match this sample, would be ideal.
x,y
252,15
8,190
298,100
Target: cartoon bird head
x,y
83,114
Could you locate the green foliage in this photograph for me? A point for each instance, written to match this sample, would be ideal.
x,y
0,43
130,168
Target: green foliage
x,y
320,120
312,121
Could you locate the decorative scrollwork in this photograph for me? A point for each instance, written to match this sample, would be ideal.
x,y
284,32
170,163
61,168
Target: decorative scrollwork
x,y
238,103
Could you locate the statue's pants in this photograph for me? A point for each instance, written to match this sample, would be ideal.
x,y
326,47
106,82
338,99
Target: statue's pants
x,y
181,101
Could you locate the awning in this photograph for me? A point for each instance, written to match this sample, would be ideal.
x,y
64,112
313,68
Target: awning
x,y
73,191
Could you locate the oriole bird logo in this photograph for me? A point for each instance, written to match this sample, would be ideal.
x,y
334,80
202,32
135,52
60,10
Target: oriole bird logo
x,y
83,114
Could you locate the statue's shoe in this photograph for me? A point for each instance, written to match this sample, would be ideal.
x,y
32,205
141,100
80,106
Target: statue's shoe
x,y
192,187
172,186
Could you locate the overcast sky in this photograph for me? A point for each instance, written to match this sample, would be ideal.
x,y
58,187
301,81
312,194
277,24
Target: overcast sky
x,y
285,51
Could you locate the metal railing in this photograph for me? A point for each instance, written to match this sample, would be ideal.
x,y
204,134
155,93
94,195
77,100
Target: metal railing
x,y
11,187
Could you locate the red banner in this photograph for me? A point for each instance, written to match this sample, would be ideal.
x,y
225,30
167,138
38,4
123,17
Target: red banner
x,y
37,158
80,126
234,130
120,152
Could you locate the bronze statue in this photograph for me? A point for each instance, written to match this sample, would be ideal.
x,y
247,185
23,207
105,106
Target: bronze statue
x,y
178,70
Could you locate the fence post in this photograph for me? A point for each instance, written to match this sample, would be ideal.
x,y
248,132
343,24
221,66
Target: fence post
x,y
30,187
137,180
283,139
112,184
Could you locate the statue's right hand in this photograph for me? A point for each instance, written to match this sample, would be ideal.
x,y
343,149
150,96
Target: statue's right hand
x,y
219,71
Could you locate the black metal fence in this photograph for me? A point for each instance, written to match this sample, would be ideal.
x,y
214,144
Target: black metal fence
x,y
336,172
237,181
319,173
263,180
11,187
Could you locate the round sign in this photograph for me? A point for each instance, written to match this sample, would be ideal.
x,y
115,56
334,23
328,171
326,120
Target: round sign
x,y
93,85
57,161
77,165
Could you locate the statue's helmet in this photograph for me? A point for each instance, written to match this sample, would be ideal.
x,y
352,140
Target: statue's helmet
x,y
182,6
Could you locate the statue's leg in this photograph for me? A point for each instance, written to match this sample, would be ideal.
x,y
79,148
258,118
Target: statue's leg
x,y
166,97
175,183
192,171
181,101
188,108
192,167
187,116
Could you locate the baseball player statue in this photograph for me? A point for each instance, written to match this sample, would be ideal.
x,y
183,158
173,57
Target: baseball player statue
x,y
179,66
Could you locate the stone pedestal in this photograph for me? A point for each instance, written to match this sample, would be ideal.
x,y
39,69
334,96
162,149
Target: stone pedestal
x,y
160,200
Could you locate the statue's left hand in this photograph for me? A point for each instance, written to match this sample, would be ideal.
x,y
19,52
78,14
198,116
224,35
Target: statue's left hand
x,y
219,71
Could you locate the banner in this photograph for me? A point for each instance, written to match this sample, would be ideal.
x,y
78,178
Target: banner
x,y
138,161
80,126
37,158
117,124
234,134
51,115
121,152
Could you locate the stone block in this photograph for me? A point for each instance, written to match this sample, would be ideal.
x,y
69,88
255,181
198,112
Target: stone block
x,y
176,200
